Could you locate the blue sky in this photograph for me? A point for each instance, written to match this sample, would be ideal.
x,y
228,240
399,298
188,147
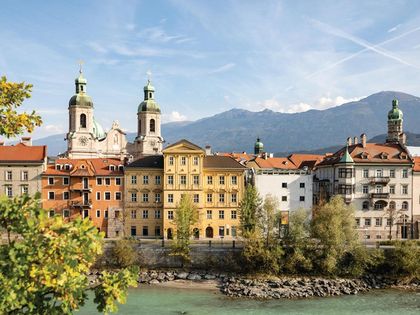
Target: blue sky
x,y
208,56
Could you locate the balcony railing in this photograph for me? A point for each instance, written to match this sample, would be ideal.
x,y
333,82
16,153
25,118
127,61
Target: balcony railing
x,y
379,195
379,180
81,188
82,203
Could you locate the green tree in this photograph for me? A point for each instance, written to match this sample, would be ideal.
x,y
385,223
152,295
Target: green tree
x,y
268,219
45,261
186,215
248,209
404,259
12,96
124,253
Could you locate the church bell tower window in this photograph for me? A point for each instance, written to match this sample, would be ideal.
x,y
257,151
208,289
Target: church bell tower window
x,y
152,125
83,121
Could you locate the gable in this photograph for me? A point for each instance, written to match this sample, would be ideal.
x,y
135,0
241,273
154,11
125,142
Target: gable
x,y
183,146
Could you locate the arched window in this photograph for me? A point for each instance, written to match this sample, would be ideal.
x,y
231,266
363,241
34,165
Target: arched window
x,y
404,205
83,121
152,125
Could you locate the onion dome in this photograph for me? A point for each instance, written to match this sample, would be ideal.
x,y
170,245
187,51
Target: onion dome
x,y
258,147
395,113
81,98
98,131
149,104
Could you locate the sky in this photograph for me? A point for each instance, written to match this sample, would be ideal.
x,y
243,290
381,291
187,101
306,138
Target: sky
x,y
207,57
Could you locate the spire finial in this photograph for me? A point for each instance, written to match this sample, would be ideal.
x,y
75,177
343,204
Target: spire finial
x,y
81,62
149,76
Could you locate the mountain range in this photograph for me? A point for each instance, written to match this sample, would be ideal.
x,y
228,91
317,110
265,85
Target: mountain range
x,y
237,129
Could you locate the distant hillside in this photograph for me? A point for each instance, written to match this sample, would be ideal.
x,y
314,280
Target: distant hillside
x,y
237,129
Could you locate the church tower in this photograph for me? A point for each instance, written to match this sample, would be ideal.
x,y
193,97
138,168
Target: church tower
x,y
81,142
395,125
149,140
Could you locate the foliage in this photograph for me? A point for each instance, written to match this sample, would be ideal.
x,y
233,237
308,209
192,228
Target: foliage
x,y
124,253
186,215
267,221
248,209
12,96
297,258
45,261
333,226
404,259
359,260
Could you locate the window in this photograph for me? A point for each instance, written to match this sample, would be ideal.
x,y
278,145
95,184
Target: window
x,y
133,197
388,222
121,168
357,222
170,198
107,195
157,230
183,179
405,173
221,197
379,173
367,221
98,195
365,173
145,230
302,198
234,180
392,189
392,173
209,180
209,197
404,205
196,198
98,213
99,181
58,167
183,160
170,214
145,197
392,205
209,214
171,160
117,181
133,214
25,175
234,198
145,214
66,181
157,197
302,185
133,230
365,205
106,214
152,125
50,180
379,189
25,190
51,213
221,231
51,195
378,206
233,214
345,173
66,195
221,214
133,179
145,180
283,198
283,185
118,195
195,160
170,179
345,189
221,180
107,181
233,229
157,214
365,189
112,167
83,121
157,180
404,189
378,221
66,213
196,180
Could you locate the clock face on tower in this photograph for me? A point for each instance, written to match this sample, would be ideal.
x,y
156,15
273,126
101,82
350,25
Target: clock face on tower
x,y
152,143
83,141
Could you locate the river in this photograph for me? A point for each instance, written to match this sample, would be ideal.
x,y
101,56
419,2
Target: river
x,y
160,300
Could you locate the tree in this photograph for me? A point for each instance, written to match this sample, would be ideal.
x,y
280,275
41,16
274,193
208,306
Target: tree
x,y
403,259
124,253
268,218
12,96
45,261
392,215
186,215
248,209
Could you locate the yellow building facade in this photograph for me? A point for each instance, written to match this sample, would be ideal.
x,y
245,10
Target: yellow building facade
x,y
215,184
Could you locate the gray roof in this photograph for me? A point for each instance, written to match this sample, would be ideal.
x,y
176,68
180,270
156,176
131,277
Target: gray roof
x,y
153,161
218,161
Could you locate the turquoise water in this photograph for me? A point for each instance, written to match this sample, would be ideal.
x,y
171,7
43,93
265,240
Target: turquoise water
x,y
158,300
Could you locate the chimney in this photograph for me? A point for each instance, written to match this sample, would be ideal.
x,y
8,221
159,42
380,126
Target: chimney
x,y
265,155
349,141
26,141
356,141
363,139
208,150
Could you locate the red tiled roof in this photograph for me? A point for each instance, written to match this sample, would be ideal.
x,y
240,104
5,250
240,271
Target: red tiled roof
x,y
416,167
309,160
22,153
85,167
275,162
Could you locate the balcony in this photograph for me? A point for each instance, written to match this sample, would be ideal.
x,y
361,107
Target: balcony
x,y
379,195
379,180
81,188
81,204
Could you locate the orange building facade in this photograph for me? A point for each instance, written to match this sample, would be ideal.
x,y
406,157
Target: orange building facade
x,y
91,188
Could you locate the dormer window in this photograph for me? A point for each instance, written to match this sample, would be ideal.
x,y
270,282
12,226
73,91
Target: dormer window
x,y
364,155
403,155
112,167
67,167
58,167
121,167
82,166
384,156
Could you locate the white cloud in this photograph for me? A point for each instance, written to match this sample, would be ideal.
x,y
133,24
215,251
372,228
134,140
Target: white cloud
x,y
53,129
174,116
393,29
223,68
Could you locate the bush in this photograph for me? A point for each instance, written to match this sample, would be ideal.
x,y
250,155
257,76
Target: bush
x,y
360,260
124,253
404,259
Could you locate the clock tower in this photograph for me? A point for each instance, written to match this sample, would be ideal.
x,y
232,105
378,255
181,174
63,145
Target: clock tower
x,y
149,140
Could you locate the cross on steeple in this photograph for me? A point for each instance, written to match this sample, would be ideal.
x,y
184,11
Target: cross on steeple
x,y
81,62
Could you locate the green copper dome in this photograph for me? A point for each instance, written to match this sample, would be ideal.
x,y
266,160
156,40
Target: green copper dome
x,y
258,147
98,131
149,104
395,113
81,98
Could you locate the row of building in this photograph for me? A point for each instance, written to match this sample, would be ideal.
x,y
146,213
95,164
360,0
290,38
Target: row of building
x,y
132,189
